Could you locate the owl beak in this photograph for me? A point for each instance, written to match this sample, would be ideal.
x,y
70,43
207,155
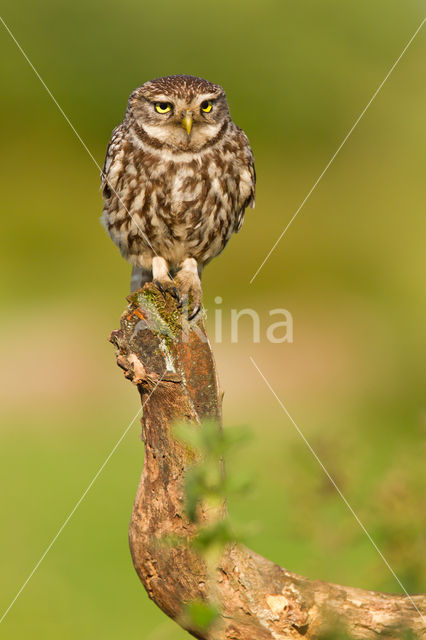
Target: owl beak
x,y
187,122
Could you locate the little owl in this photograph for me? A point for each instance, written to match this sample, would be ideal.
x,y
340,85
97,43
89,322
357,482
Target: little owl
x,y
177,178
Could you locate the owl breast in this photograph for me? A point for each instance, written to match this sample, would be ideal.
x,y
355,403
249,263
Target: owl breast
x,y
174,205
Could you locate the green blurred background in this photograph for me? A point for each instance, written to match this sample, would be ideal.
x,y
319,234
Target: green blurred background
x,y
350,270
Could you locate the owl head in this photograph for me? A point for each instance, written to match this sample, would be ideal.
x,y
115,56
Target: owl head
x,y
181,112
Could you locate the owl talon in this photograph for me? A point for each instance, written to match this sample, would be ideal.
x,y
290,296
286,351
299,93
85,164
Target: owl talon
x,y
160,286
167,287
194,312
175,293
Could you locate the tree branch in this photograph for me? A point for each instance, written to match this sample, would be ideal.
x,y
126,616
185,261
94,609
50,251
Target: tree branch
x,y
174,371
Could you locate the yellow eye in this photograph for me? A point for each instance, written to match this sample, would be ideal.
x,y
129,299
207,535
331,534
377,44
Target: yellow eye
x,y
206,106
163,107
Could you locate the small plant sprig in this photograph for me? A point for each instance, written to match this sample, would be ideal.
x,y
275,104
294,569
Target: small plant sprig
x,y
206,490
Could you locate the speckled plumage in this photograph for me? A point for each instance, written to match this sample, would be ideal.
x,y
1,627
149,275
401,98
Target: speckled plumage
x,y
172,194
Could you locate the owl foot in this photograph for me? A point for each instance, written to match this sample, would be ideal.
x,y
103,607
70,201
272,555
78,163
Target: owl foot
x,y
162,279
189,287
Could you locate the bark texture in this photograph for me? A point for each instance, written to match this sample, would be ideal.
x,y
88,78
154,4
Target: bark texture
x,y
173,368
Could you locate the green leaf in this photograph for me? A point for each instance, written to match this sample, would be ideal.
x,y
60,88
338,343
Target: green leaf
x,y
189,434
216,535
201,614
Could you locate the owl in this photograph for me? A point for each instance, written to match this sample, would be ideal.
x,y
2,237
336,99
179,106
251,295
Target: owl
x,y
177,178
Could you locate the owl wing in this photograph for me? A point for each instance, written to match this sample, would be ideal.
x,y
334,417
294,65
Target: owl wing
x,y
247,181
113,146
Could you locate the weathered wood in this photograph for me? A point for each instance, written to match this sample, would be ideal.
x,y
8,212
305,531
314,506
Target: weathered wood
x,y
174,371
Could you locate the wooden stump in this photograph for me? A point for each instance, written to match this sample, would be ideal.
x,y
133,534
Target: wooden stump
x,y
171,363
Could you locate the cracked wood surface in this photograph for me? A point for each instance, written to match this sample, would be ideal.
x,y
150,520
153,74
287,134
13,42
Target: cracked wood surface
x,y
173,368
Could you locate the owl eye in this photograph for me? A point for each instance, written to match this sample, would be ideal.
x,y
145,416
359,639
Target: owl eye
x,y
163,107
206,106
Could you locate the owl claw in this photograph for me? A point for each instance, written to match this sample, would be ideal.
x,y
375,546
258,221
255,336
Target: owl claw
x,y
160,286
168,287
175,293
190,311
194,312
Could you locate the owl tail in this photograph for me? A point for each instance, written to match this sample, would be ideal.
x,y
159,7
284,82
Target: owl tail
x,y
139,277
